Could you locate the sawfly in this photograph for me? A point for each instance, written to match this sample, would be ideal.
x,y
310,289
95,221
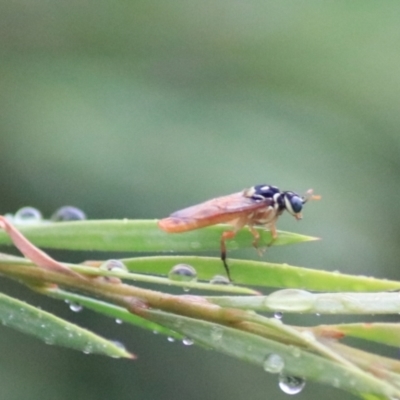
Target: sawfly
x,y
261,205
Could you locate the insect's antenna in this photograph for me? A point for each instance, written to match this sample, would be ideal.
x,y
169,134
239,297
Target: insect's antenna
x,y
310,196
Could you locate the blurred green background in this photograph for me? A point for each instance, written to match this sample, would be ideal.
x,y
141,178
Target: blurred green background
x,y
138,108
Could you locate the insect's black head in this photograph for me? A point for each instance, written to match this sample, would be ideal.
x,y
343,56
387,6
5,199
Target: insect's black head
x,y
262,192
288,200
291,202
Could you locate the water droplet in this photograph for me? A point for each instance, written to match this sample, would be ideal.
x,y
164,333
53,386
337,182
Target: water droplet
x,y
187,341
68,213
49,339
118,344
10,316
118,321
216,332
170,339
113,265
182,273
75,307
219,280
295,351
290,300
278,315
308,335
27,215
274,363
291,384
88,348
336,382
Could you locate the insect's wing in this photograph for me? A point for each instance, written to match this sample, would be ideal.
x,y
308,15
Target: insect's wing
x,y
215,211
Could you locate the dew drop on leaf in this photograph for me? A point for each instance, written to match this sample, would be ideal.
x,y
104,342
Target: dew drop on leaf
x,y
216,332
187,341
274,363
336,382
114,265
308,335
291,384
88,348
183,273
49,339
290,300
295,351
219,280
68,213
27,215
75,307
278,315
118,344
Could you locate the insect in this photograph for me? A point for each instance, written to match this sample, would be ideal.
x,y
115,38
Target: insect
x,y
261,205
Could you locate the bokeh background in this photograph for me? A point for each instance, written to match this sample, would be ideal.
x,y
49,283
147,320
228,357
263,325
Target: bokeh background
x,y
138,108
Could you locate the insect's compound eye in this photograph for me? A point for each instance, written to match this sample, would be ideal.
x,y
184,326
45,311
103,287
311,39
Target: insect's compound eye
x,y
297,203
293,203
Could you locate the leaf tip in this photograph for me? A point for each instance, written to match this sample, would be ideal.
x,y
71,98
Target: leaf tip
x,y
131,356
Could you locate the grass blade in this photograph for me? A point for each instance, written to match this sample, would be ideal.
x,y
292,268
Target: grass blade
x,y
53,330
257,273
139,236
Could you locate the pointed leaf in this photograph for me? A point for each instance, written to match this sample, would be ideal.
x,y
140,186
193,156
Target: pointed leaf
x,y
53,330
259,273
91,269
301,301
386,333
138,236
297,362
110,310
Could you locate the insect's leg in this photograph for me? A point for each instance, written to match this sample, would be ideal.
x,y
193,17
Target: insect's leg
x,y
272,227
226,236
274,234
256,239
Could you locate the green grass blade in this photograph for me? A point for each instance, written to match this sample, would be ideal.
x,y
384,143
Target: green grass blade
x,y
53,330
386,333
255,349
301,301
261,274
139,236
257,273
92,270
110,310
223,288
